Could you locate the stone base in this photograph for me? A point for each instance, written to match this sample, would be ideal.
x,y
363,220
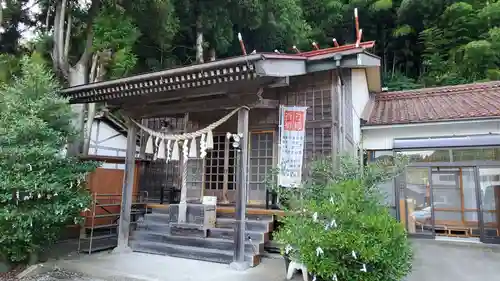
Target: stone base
x,y
195,213
239,266
184,229
122,250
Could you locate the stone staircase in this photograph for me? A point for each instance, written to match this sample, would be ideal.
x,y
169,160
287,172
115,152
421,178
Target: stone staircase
x,y
159,233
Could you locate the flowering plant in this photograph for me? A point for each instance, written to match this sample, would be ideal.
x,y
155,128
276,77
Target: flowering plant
x,y
344,232
41,189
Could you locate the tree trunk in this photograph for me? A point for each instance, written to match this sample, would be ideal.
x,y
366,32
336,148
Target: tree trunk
x,y
393,64
91,108
211,54
199,41
1,19
97,74
77,76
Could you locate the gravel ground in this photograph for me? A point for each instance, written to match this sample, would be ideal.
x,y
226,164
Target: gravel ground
x,y
60,275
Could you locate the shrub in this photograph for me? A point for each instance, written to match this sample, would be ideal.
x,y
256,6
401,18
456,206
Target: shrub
x,y
41,190
342,228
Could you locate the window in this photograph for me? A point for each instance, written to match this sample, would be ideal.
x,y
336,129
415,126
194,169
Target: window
x,y
427,155
478,154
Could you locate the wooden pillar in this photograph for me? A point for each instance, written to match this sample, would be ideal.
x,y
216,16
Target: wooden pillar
x,y
241,193
183,170
127,190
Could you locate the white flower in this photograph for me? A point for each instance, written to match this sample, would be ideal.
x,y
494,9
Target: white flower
x,y
331,200
39,195
26,198
315,217
288,249
319,251
333,223
354,255
55,194
364,268
334,277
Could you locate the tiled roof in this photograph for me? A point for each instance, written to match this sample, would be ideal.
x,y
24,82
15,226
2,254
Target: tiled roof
x,y
469,101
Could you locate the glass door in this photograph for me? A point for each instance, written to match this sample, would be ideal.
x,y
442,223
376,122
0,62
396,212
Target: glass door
x,y
415,202
489,197
454,205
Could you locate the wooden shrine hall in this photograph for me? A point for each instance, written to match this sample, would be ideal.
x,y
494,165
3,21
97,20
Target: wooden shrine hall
x,y
175,103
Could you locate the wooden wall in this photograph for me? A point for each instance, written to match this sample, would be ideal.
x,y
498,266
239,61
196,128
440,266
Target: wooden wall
x,y
317,92
106,187
110,181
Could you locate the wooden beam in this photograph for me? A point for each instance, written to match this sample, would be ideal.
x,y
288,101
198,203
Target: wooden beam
x,y
204,106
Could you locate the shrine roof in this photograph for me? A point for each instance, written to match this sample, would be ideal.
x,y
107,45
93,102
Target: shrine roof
x,y
266,67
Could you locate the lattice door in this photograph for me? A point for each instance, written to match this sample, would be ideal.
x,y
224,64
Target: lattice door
x,y
261,163
220,170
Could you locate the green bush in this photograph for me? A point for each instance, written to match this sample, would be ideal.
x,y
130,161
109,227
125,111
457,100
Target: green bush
x,y
41,190
344,228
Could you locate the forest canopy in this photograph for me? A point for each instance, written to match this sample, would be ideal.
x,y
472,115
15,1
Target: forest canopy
x,y
421,43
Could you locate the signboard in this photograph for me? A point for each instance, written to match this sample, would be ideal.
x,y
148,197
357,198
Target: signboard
x,y
292,137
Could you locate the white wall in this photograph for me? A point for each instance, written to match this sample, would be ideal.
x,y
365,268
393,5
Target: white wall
x,y
106,141
382,137
360,97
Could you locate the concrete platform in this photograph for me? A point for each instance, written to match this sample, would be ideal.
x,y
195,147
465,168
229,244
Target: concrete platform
x,y
434,261
454,261
147,267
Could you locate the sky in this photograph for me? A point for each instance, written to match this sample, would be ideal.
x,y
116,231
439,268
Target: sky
x,y
29,33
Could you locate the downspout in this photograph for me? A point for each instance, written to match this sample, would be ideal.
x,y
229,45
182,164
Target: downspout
x,y
340,102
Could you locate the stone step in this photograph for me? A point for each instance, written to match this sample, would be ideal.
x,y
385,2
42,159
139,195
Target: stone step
x,y
211,255
220,213
207,243
153,226
228,234
251,225
256,217
157,217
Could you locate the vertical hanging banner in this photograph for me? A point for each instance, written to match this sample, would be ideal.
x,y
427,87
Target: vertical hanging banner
x,y
292,137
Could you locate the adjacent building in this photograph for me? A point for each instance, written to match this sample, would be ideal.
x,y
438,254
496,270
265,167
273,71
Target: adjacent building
x,y
452,137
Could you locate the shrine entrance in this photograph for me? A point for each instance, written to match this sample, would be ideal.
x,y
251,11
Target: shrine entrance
x,y
216,174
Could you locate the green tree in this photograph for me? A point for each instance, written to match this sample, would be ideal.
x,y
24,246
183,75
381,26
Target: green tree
x,y
41,190
339,227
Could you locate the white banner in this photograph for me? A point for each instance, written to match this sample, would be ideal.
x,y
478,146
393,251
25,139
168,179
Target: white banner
x,y
292,137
